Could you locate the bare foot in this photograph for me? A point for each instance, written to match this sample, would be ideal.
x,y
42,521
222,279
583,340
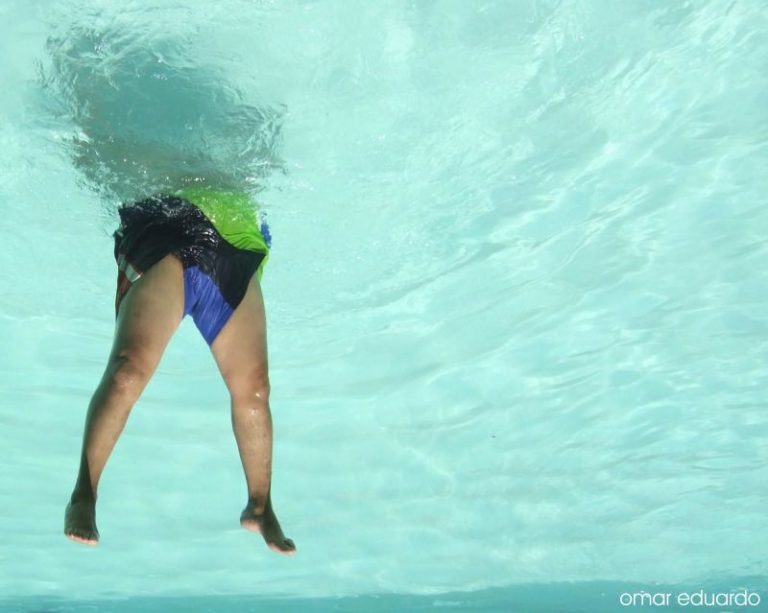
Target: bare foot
x,y
80,522
266,524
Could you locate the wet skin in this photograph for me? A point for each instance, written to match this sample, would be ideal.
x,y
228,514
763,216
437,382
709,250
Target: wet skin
x,y
148,316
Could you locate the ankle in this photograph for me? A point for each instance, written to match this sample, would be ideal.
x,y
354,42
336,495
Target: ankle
x,y
257,505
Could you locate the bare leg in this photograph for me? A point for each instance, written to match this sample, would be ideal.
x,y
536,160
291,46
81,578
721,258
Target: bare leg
x,y
240,350
149,314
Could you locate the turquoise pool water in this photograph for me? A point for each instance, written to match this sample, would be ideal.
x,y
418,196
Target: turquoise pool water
x,y
516,301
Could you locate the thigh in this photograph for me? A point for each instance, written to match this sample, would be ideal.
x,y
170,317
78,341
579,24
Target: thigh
x,y
240,349
150,312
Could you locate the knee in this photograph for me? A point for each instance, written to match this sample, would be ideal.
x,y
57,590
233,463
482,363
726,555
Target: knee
x,y
250,388
128,373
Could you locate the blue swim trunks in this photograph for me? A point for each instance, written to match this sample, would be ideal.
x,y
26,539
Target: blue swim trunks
x,y
217,236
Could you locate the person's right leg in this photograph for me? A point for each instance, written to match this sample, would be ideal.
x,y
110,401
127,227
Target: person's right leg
x,y
240,350
149,314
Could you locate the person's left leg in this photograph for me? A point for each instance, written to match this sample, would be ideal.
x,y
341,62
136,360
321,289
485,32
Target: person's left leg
x,y
149,314
240,350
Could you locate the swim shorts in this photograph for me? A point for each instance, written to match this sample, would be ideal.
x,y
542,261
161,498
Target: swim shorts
x,y
218,237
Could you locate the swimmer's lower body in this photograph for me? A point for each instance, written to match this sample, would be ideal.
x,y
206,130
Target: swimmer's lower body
x,y
148,312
